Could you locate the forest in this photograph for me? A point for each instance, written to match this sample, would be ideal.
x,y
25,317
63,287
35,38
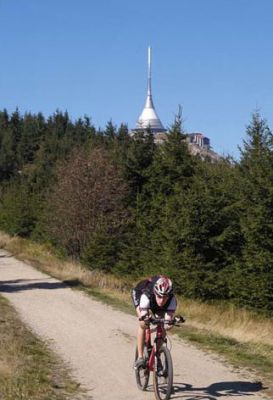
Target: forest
x,y
127,206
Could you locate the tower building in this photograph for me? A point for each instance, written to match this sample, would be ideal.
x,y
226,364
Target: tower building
x,y
198,143
149,119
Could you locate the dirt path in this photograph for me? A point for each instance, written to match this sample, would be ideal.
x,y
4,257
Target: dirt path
x,y
99,342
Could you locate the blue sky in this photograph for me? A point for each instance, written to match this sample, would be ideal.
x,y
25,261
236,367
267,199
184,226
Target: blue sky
x,y
213,57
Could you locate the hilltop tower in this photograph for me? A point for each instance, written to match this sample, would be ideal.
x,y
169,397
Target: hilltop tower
x,y
149,118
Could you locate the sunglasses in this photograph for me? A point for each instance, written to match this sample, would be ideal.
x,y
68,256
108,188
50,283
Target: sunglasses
x,y
162,296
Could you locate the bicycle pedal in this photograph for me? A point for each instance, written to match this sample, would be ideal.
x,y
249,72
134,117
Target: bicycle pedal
x,y
144,367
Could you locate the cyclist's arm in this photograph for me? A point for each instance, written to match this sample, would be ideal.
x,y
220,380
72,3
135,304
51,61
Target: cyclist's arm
x,y
143,310
169,314
144,305
168,317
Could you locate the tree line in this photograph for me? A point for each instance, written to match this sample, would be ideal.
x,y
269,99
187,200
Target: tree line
x,y
127,206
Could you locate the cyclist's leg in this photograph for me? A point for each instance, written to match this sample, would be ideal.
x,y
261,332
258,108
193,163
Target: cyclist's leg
x,y
141,327
140,335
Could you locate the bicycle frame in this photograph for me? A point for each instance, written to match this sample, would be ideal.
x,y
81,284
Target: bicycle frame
x,y
157,343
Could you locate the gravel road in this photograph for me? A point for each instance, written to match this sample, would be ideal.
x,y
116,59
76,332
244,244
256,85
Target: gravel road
x,y
98,342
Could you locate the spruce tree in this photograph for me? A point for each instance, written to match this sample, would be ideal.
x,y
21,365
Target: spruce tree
x,y
253,277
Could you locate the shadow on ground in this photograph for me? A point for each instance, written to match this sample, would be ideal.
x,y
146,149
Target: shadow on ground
x,y
19,285
216,390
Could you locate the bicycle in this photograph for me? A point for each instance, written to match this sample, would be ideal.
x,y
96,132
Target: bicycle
x,y
157,358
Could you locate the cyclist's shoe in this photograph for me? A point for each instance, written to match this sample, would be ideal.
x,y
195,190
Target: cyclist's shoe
x,y
140,363
160,370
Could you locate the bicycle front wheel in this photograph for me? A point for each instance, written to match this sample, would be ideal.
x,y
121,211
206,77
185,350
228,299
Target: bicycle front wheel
x,y
142,374
163,374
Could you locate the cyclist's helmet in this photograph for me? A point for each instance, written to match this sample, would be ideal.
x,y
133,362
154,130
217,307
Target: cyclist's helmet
x,y
163,286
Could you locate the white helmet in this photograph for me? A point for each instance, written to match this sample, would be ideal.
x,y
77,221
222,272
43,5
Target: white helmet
x,y
163,286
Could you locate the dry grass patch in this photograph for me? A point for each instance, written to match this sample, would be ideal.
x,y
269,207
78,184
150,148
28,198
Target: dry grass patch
x,y
5,240
227,320
6,370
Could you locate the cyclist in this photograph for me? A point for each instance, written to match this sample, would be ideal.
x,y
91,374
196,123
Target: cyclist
x,y
154,294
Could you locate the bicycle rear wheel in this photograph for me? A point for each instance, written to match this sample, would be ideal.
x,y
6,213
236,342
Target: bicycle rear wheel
x,y
163,374
142,374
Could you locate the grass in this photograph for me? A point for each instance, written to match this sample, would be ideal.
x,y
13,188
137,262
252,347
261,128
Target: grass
x,y
28,369
259,359
242,337
229,320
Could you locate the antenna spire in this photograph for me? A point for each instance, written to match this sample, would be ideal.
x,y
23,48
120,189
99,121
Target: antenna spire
x,y
149,100
149,118
149,72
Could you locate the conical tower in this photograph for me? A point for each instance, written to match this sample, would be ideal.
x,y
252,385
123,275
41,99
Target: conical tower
x,y
149,118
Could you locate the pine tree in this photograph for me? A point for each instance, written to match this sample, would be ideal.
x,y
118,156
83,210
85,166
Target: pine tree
x,y
173,165
33,129
11,129
139,157
253,276
208,231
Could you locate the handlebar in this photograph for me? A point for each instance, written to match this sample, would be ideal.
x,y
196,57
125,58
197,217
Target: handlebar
x,y
178,319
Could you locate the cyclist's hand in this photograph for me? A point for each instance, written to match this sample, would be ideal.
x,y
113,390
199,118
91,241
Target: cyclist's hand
x,y
178,319
168,324
146,319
